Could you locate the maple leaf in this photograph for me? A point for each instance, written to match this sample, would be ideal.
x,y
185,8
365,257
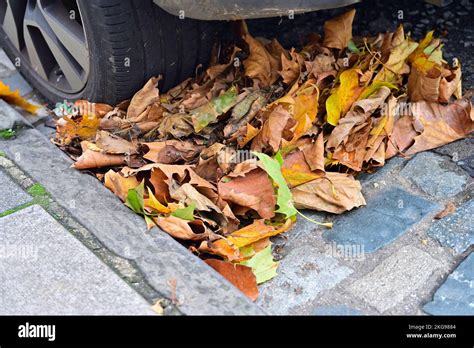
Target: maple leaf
x,y
263,265
338,31
284,197
185,213
241,276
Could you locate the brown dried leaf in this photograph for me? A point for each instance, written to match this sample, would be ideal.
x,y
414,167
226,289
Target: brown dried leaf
x,y
113,144
336,193
171,151
291,68
182,229
254,190
118,184
338,31
94,159
279,122
440,124
145,97
260,64
448,210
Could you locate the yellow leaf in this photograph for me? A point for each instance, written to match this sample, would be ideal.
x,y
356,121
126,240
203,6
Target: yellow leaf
x,y
305,109
16,99
256,231
341,100
374,87
251,132
396,63
84,128
377,130
152,202
422,45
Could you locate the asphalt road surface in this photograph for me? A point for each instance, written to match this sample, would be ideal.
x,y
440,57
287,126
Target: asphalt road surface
x,y
453,23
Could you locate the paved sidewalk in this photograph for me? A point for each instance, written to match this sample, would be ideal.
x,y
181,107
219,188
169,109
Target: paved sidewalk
x,y
44,270
390,257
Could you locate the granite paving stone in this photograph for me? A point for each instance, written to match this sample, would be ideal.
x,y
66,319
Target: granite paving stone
x,y
456,230
44,270
388,214
400,275
429,172
382,174
302,275
11,195
456,295
467,164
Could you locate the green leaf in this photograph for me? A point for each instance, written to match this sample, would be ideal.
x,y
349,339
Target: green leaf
x,y
262,265
284,196
7,134
352,47
135,199
374,87
208,113
186,213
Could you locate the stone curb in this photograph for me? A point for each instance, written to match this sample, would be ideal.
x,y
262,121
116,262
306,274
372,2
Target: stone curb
x,y
163,261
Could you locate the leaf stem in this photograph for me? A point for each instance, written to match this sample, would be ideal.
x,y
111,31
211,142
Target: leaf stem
x,y
325,224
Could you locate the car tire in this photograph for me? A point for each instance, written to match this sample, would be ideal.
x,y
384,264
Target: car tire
x,y
130,41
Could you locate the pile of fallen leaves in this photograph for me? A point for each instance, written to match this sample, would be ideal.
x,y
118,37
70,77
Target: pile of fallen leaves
x,y
223,161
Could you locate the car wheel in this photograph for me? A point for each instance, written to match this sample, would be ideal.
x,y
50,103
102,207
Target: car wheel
x,y
100,50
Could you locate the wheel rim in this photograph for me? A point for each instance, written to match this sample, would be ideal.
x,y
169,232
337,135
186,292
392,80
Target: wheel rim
x,y
50,37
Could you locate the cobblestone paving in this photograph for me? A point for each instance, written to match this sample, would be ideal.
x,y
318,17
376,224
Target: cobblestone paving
x,y
394,256
390,257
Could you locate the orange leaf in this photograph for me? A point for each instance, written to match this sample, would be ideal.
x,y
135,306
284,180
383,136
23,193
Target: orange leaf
x,y
256,231
16,99
119,184
240,276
